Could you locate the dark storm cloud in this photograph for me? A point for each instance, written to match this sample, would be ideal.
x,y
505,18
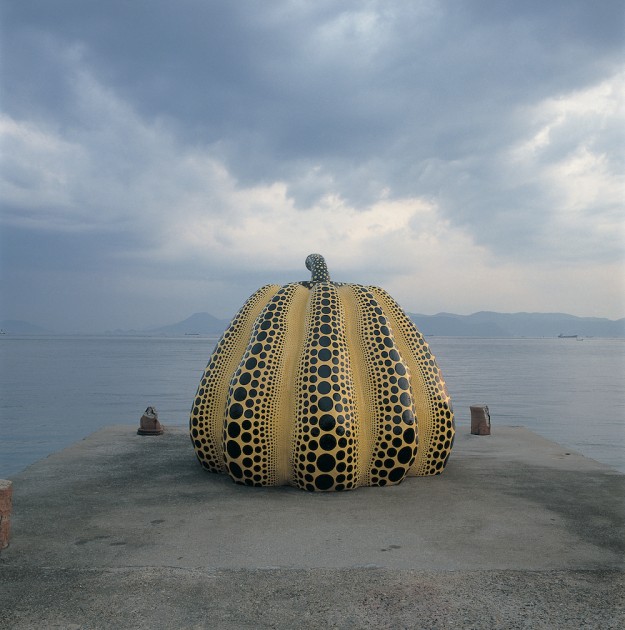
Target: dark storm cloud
x,y
295,83
123,112
33,250
278,88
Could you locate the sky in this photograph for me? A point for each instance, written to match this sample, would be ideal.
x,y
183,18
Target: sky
x,y
166,157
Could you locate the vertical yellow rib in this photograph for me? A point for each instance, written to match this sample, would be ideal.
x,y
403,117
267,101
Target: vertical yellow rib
x,y
364,407
255,417
432,403
326,438
207,415
390,412
287,394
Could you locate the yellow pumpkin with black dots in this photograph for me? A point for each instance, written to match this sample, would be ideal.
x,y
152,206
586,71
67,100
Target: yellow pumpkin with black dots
x,y
325,386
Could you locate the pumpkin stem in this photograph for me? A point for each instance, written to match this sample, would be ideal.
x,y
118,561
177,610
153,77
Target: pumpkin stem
x,y
318,268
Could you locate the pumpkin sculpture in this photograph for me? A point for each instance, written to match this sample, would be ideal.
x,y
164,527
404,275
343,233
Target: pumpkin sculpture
x,y
324,386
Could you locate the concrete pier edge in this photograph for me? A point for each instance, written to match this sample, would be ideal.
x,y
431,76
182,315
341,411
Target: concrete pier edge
x,y
120,530
6,506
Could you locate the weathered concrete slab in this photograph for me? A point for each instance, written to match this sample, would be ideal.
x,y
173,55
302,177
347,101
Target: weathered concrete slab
x,y
125,525
168,597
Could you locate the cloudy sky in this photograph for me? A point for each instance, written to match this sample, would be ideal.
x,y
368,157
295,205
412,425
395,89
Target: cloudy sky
x,y
165,157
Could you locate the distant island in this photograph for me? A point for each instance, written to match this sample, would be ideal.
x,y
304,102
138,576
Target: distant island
x,y
198,323
482,324
490,324
19,327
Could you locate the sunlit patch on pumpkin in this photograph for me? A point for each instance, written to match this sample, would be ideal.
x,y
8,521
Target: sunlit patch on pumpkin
x,y
324,386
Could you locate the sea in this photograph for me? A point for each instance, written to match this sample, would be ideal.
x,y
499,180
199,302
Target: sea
x,y
56,390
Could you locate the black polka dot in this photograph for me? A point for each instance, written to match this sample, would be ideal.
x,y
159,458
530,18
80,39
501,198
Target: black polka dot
x,y
324,387
233,448
324,482
325,354
324,371
326,462
403,457
236,411
233,429
327,442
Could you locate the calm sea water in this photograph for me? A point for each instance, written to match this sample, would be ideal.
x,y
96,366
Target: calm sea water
x,y
57,390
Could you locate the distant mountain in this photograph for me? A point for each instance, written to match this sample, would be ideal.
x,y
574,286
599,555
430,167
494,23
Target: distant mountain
x,y
449,325
19,327
482,324
489,324
197,324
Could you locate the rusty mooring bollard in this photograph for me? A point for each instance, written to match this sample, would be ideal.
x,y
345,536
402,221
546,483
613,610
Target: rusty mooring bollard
x,y
6,502
149,424
480,420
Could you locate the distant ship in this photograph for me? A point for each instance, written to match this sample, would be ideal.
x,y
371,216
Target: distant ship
x,y
563,336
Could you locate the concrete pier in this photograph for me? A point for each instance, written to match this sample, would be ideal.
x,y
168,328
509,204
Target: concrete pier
x,y
127,531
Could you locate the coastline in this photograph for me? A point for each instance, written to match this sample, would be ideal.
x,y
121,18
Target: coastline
x,y
129,530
